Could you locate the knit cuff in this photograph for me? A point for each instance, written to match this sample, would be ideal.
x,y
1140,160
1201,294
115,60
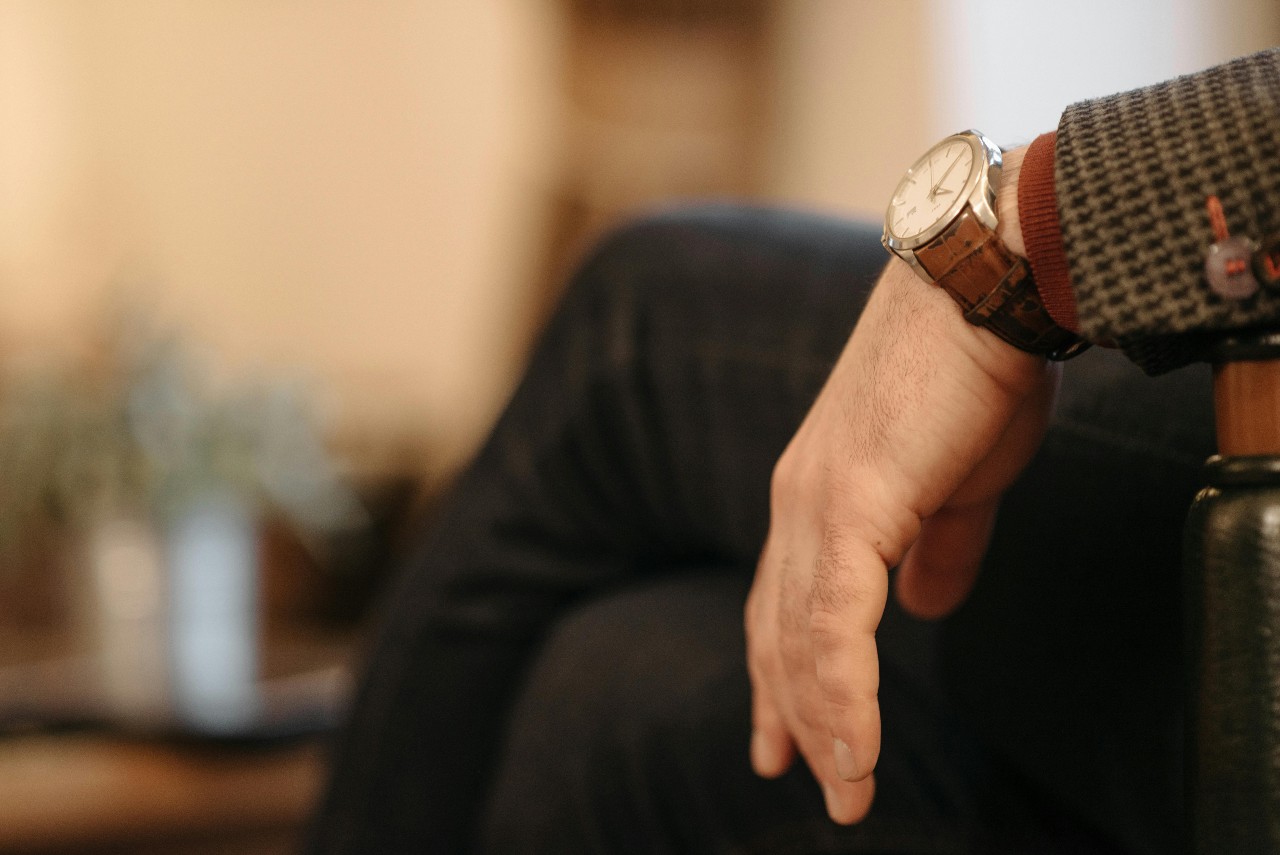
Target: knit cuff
x,y
1042,234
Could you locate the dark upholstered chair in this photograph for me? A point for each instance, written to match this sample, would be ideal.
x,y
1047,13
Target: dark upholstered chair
x,y
1233,612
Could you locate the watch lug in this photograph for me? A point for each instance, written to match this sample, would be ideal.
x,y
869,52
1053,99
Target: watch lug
x,y
983,205
907,255
983,198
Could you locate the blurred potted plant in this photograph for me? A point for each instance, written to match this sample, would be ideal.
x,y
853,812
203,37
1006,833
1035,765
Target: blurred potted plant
x,y
157,482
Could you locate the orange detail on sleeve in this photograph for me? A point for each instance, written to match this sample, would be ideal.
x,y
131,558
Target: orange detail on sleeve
x,y
1217,219
1271,264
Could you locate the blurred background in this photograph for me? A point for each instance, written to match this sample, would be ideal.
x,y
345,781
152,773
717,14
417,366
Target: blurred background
x,y
268,269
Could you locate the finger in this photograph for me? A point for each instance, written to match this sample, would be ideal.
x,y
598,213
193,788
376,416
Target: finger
x,y
847,601
848,803
942,566
772,749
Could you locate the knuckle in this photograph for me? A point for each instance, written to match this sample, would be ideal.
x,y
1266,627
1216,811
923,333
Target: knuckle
x,y
836,689
764,661
829,632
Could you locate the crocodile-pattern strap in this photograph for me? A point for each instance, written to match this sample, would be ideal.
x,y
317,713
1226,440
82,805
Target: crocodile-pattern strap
x,y
994,288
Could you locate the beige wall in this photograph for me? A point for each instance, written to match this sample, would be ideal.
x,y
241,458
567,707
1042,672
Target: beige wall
x,y
360,187
863,86
847,73
348,186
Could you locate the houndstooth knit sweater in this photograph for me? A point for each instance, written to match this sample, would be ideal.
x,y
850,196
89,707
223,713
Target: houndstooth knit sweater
x,y
1132,173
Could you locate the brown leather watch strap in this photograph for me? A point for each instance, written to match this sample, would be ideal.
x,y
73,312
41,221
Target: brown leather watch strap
x,y
994,288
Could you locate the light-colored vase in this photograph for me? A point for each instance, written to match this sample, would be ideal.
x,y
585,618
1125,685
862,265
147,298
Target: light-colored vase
x,y
213,573
122,611
172,616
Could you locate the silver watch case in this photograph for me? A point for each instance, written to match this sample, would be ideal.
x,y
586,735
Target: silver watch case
x,y
979,193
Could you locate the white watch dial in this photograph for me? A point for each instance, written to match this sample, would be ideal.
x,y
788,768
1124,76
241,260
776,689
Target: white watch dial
x,y
930,188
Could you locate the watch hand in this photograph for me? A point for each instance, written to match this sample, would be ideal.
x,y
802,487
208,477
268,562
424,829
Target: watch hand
x,y
950,166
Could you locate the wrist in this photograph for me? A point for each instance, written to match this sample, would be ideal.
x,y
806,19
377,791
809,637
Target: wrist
x,y
1009,226
928,313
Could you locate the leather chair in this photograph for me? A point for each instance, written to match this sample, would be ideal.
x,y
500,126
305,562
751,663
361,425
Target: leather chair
x,y
1232,608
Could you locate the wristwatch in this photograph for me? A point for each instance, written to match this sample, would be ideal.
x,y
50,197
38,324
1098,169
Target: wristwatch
x,y
942,221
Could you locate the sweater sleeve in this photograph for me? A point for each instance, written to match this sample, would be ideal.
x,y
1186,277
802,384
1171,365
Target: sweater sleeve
x,y
1132,176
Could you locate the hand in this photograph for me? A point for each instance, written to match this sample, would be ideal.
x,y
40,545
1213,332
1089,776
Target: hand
x,y
923,424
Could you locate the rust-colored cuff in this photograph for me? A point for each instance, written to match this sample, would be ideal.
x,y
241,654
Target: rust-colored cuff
x,y
1042,233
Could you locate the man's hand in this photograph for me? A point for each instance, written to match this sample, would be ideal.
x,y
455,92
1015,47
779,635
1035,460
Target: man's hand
x,y
923,424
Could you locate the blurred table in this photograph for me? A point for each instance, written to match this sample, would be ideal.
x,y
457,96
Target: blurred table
x,y
90,792
67,787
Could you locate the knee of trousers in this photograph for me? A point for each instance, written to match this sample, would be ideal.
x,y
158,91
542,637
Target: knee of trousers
x,y
650,265
635,706
671,275
690,259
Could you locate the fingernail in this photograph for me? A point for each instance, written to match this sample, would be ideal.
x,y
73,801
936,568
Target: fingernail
x,y
835,807
763,757
846,766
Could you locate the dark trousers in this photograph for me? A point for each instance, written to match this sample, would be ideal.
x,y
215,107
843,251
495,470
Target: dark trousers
x,y
560,668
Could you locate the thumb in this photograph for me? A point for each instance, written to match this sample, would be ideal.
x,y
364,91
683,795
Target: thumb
x,y
939,570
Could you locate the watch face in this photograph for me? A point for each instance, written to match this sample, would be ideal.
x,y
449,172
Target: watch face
x,y
933,190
